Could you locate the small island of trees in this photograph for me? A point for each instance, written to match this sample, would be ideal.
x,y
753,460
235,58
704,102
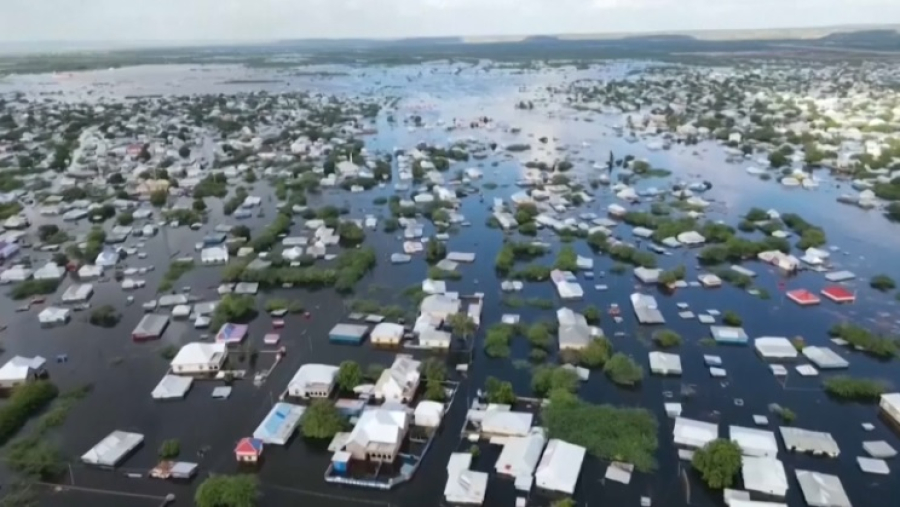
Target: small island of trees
x,y
623,370
718,463
849,388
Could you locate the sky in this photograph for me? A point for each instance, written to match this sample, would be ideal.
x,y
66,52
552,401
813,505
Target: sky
x,y
260,20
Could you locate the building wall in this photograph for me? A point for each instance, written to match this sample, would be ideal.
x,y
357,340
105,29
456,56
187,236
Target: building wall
x,y
196,368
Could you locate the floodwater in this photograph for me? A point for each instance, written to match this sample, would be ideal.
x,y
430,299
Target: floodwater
x,y
124,373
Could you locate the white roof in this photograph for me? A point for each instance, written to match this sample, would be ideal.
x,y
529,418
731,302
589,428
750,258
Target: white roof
x,y
53,314
379,425
775,347
172,386
112,449
520,455
560,466
822,490
429,409
824,357
891,400
312,373
506,422
386,330
199,353
799,439
665,363
19,368
464,486
765,475
693,433
754,442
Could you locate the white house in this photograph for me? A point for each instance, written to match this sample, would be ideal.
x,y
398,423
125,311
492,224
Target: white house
x,y
15,274
20,370
214,255
49,271
428,414
107,258
378,435
386,333
198,357
399,382
53,315
560,466
313,381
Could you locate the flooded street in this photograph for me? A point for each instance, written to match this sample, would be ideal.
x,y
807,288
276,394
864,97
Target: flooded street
x,y
123,373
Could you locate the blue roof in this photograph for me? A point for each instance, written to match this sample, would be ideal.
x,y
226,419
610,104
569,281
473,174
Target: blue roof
x,y
279,424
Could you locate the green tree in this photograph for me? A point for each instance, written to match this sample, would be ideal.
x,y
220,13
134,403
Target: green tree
x,y
170,449
125,218
35,457
596,354
236,308
351,234
538,335
228,491
667,338
623,370
434,390
461,324
592,315
499,391
159,198
882,283
730,318
199,205
105,316
435,251
547,379
718,463
322,420
349,375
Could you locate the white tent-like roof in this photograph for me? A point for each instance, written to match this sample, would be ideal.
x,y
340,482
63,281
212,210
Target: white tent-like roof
x,y
520,455
19,368
560,466
112,449
693,433
172,386
764,475
775,347
754,442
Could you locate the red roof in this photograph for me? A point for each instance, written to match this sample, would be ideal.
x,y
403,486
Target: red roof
x,y
838,293
802,296
249,446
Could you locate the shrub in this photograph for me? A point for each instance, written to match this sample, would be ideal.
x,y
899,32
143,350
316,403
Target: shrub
x,y
849,388
718,463
667,338
623,370
26,401
730,318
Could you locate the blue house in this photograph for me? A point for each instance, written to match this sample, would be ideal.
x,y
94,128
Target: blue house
x,y
348,333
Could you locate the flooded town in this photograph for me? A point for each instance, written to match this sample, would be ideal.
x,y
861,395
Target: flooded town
x,y
538,281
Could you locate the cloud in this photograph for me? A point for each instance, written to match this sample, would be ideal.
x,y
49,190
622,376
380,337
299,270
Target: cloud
x,y
184,20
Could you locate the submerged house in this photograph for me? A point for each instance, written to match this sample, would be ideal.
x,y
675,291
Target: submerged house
x,y
199,357
21,370
464,486
378,435
574,332
560,466
520,455
399,382
313,381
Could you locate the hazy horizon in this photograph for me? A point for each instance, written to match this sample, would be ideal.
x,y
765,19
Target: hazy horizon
x,y
166,22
